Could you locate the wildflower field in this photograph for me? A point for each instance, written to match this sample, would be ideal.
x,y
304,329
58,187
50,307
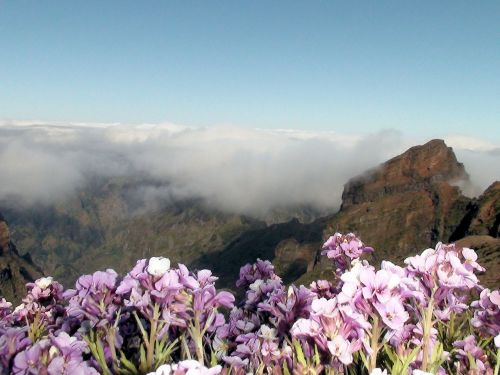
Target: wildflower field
x,y
430,317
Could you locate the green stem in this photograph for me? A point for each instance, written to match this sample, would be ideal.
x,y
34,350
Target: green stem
x,y
427,327
150,347
497,367
110,338
376,330
198,339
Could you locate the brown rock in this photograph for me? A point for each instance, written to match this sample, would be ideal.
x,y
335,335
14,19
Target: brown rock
x,y
487,218
405,205
413,171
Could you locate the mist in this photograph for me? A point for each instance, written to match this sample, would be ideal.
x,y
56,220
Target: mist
x,y
239,170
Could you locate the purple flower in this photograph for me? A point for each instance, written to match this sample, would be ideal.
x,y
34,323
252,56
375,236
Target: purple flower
x,y
12,341
29,360
188,367
260,270
343,249
303,328
285,307
487,312
470,257
5,309
468,348
322,289
94,298
338,245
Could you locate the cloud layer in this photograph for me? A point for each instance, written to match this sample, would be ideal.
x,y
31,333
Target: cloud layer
x,y
235,169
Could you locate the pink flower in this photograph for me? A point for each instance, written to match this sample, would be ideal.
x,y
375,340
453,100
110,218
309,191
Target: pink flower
x,y
393,313
470,257
376,285
306,328
340,349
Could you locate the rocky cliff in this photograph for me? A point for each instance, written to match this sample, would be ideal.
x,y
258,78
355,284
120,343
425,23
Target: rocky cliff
x,y
408,203
483,216
15,270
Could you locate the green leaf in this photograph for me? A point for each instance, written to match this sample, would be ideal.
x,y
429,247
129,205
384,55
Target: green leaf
x,y
143,365
299,353
129,366
285,369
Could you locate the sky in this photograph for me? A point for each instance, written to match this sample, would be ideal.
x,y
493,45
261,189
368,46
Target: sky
x,y
426,69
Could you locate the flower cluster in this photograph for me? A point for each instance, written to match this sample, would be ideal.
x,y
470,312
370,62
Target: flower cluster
x,y
344,248
188,367
487,312
419,318
260,270
59,354
469,351
42,304
336,330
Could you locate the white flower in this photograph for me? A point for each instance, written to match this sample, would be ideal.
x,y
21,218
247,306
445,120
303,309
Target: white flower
x,y
220,347
340,348
497,341
420,372
44,282
162,370
53,351
255,286
19,308
158,266
377,371
267,333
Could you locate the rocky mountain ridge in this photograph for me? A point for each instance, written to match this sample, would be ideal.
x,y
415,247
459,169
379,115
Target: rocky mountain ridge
x,y
405,205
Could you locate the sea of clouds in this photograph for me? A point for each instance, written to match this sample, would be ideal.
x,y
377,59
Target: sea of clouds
x,y
235,169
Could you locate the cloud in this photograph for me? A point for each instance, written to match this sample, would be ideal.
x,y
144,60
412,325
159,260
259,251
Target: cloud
x,y
235,169
462,142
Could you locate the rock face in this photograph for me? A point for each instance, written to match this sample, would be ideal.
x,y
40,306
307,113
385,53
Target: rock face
x,y
15,270
483,216
419,168
406,204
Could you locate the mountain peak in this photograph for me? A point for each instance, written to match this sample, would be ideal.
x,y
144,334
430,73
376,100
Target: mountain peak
x,y
414,169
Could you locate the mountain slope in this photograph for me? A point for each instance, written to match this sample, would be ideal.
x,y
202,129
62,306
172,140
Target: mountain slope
x,y
105,226
15,270
407,204
401,207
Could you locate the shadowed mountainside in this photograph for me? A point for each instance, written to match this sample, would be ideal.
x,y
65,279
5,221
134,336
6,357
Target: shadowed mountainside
x,y
15,270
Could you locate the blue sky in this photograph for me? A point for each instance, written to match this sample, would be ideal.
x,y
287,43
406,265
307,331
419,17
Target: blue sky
x,y
421,67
